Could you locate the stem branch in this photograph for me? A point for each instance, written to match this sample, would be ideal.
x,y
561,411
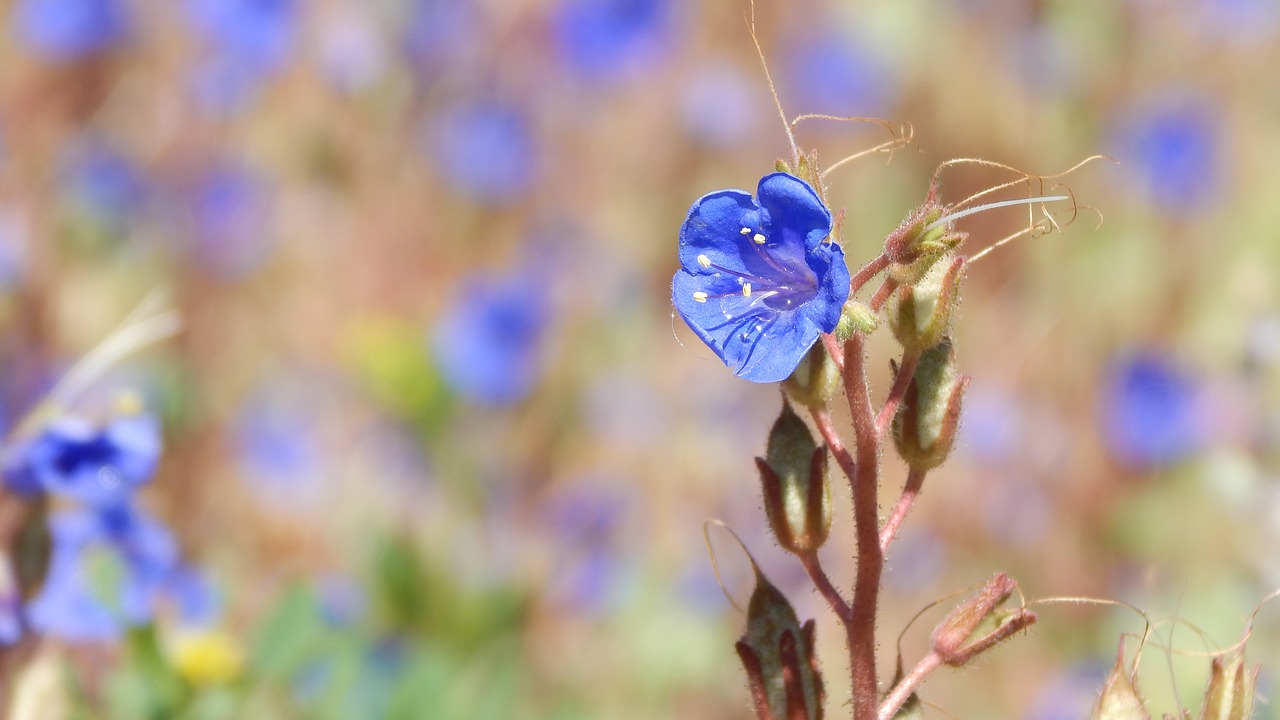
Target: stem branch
x,y
820,580
915,478
861,629
907,685
899,390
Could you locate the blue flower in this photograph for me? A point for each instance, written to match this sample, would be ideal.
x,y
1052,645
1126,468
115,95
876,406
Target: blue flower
x,y
485,148
231,213
103,181
829,74
106,572
70,29
758,281
248,40
1173,146
488,345
73,458
1149,413
605,40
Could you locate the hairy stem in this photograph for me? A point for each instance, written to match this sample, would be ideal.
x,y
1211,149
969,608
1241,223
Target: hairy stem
x,y
907,685
899,390
820,580
861,628
866,272
915,479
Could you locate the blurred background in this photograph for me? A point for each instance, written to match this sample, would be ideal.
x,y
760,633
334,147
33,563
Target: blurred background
x,y
433,437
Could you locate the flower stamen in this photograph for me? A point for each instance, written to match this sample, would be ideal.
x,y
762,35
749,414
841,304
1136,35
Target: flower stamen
x,y
704,261
700,296
759,239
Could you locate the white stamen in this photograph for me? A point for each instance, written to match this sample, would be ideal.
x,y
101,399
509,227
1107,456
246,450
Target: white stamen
x,y
700,296
991,206
746,290
759,239
704,261
745,231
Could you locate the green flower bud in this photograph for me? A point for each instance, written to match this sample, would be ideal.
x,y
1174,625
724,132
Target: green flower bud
x,y
1120,699
793,477
816,379
917,244
1231,690
855,317
924,430
778,655
921,313
979,623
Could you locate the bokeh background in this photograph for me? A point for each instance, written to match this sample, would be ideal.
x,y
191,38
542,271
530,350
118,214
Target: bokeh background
x,y
433,435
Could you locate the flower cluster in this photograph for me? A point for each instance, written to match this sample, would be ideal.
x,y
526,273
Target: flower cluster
x,y
110,560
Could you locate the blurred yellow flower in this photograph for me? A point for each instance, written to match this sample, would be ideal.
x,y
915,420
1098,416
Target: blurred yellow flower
x,y
207,656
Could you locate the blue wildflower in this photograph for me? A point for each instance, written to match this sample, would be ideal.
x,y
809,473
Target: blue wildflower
x,y
103,181
1149,412
719,105
605,40
1173,146
231,209
106,572
832,75
485,148
758,281
70,29
488,345
443,34
248,41
73,458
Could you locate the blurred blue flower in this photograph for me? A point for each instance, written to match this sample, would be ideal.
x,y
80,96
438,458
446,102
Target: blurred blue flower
x,y
103,181
106,572
231,212
247,41
488,345
606,40
1173,147
73,458
831,74
758,282
442,34
719,104
351,51
1072,694
1149,412
484,148
69,29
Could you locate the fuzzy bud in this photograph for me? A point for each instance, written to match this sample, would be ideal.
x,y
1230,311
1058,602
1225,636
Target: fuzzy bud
x,y
1231,690
815,380
921,313
917,244
778,655
793,477
924,429
1120,699
855,317
979,623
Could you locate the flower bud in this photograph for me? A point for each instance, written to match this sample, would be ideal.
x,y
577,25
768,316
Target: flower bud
x,y
917,244
793,477
778,655
979,624
924,429
921,313
1120,699
855,317
816,379
1231,690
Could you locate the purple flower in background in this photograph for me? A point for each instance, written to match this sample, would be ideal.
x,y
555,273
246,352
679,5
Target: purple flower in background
x,y
1149,412
69,29
106,572
488,345
758,281
484,148
101,466
832,75
604,40
350,49
719,105
231,213
103,181
247,41
442,34
1172,146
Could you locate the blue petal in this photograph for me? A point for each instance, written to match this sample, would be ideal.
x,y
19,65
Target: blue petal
x,y
795,209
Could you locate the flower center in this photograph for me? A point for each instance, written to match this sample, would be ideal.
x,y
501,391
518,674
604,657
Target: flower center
x,y
777,274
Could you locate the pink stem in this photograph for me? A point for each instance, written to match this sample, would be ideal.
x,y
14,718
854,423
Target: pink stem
x,y
907,685
915,478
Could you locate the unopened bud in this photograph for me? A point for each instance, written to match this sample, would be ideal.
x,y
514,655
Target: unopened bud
x,y
778,655
815,380
979,623
918,243
1231,690
924,429
1120,699
921,313
855,317
793,477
